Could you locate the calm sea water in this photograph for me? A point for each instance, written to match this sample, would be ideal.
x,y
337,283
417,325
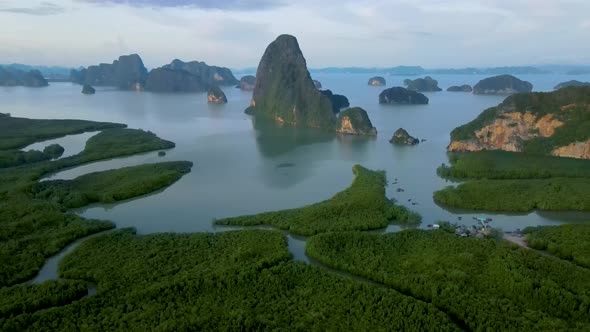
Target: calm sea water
x,y
242,167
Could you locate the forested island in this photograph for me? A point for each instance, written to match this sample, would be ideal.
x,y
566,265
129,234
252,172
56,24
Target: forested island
x,y
426,84
502,84
400,95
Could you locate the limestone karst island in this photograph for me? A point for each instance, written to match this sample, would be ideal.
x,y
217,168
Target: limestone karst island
x,y
294,165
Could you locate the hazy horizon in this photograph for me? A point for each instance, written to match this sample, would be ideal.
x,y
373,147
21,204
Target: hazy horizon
x,y
234,33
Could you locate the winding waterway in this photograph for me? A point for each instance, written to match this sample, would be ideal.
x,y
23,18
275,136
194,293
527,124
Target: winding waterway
x,y
243,167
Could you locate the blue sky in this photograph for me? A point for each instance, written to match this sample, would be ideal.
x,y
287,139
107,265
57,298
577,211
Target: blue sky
x,y
234,33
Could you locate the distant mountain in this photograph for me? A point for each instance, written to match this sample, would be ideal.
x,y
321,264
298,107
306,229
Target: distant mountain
x,y
16,77
419,71
49,72
566,69
211,75
193,76
399,70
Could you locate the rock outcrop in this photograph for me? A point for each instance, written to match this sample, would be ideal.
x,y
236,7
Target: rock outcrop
x,y
399,95
355,121
571,83
210,75
426,84
169,80
338,101
88,90
460,88
284,89
129,73
216,96
16,77
126,73
247,83
401,136
377,81
318,84
503,84
194,76
540,123
508,132
574,150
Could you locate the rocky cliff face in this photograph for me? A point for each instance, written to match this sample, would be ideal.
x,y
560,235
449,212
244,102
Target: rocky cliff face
x,y
461,88
401,136
556,123
399,95
247,83
126,73
285,91
338,101
355,121
169,80
503,84
574,150
210,75
216,96
377,81
88,90
509,132
16,77
426,84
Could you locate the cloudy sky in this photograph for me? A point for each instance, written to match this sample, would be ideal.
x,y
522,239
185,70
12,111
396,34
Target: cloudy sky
x,y
234,33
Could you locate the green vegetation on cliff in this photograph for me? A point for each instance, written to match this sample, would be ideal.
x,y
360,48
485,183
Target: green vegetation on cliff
x,y
227,281
502,84
355,121
555,194
569,242
362,206
569,105
484,284
426,84
284,89
512,165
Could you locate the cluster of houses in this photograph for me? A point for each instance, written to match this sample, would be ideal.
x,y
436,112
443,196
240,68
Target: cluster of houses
x,y
480,230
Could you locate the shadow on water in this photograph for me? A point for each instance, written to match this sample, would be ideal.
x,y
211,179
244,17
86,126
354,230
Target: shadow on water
x,y
274,140
283,145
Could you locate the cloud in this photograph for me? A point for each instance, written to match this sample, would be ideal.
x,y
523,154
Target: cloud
x,y
230,5
42,9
